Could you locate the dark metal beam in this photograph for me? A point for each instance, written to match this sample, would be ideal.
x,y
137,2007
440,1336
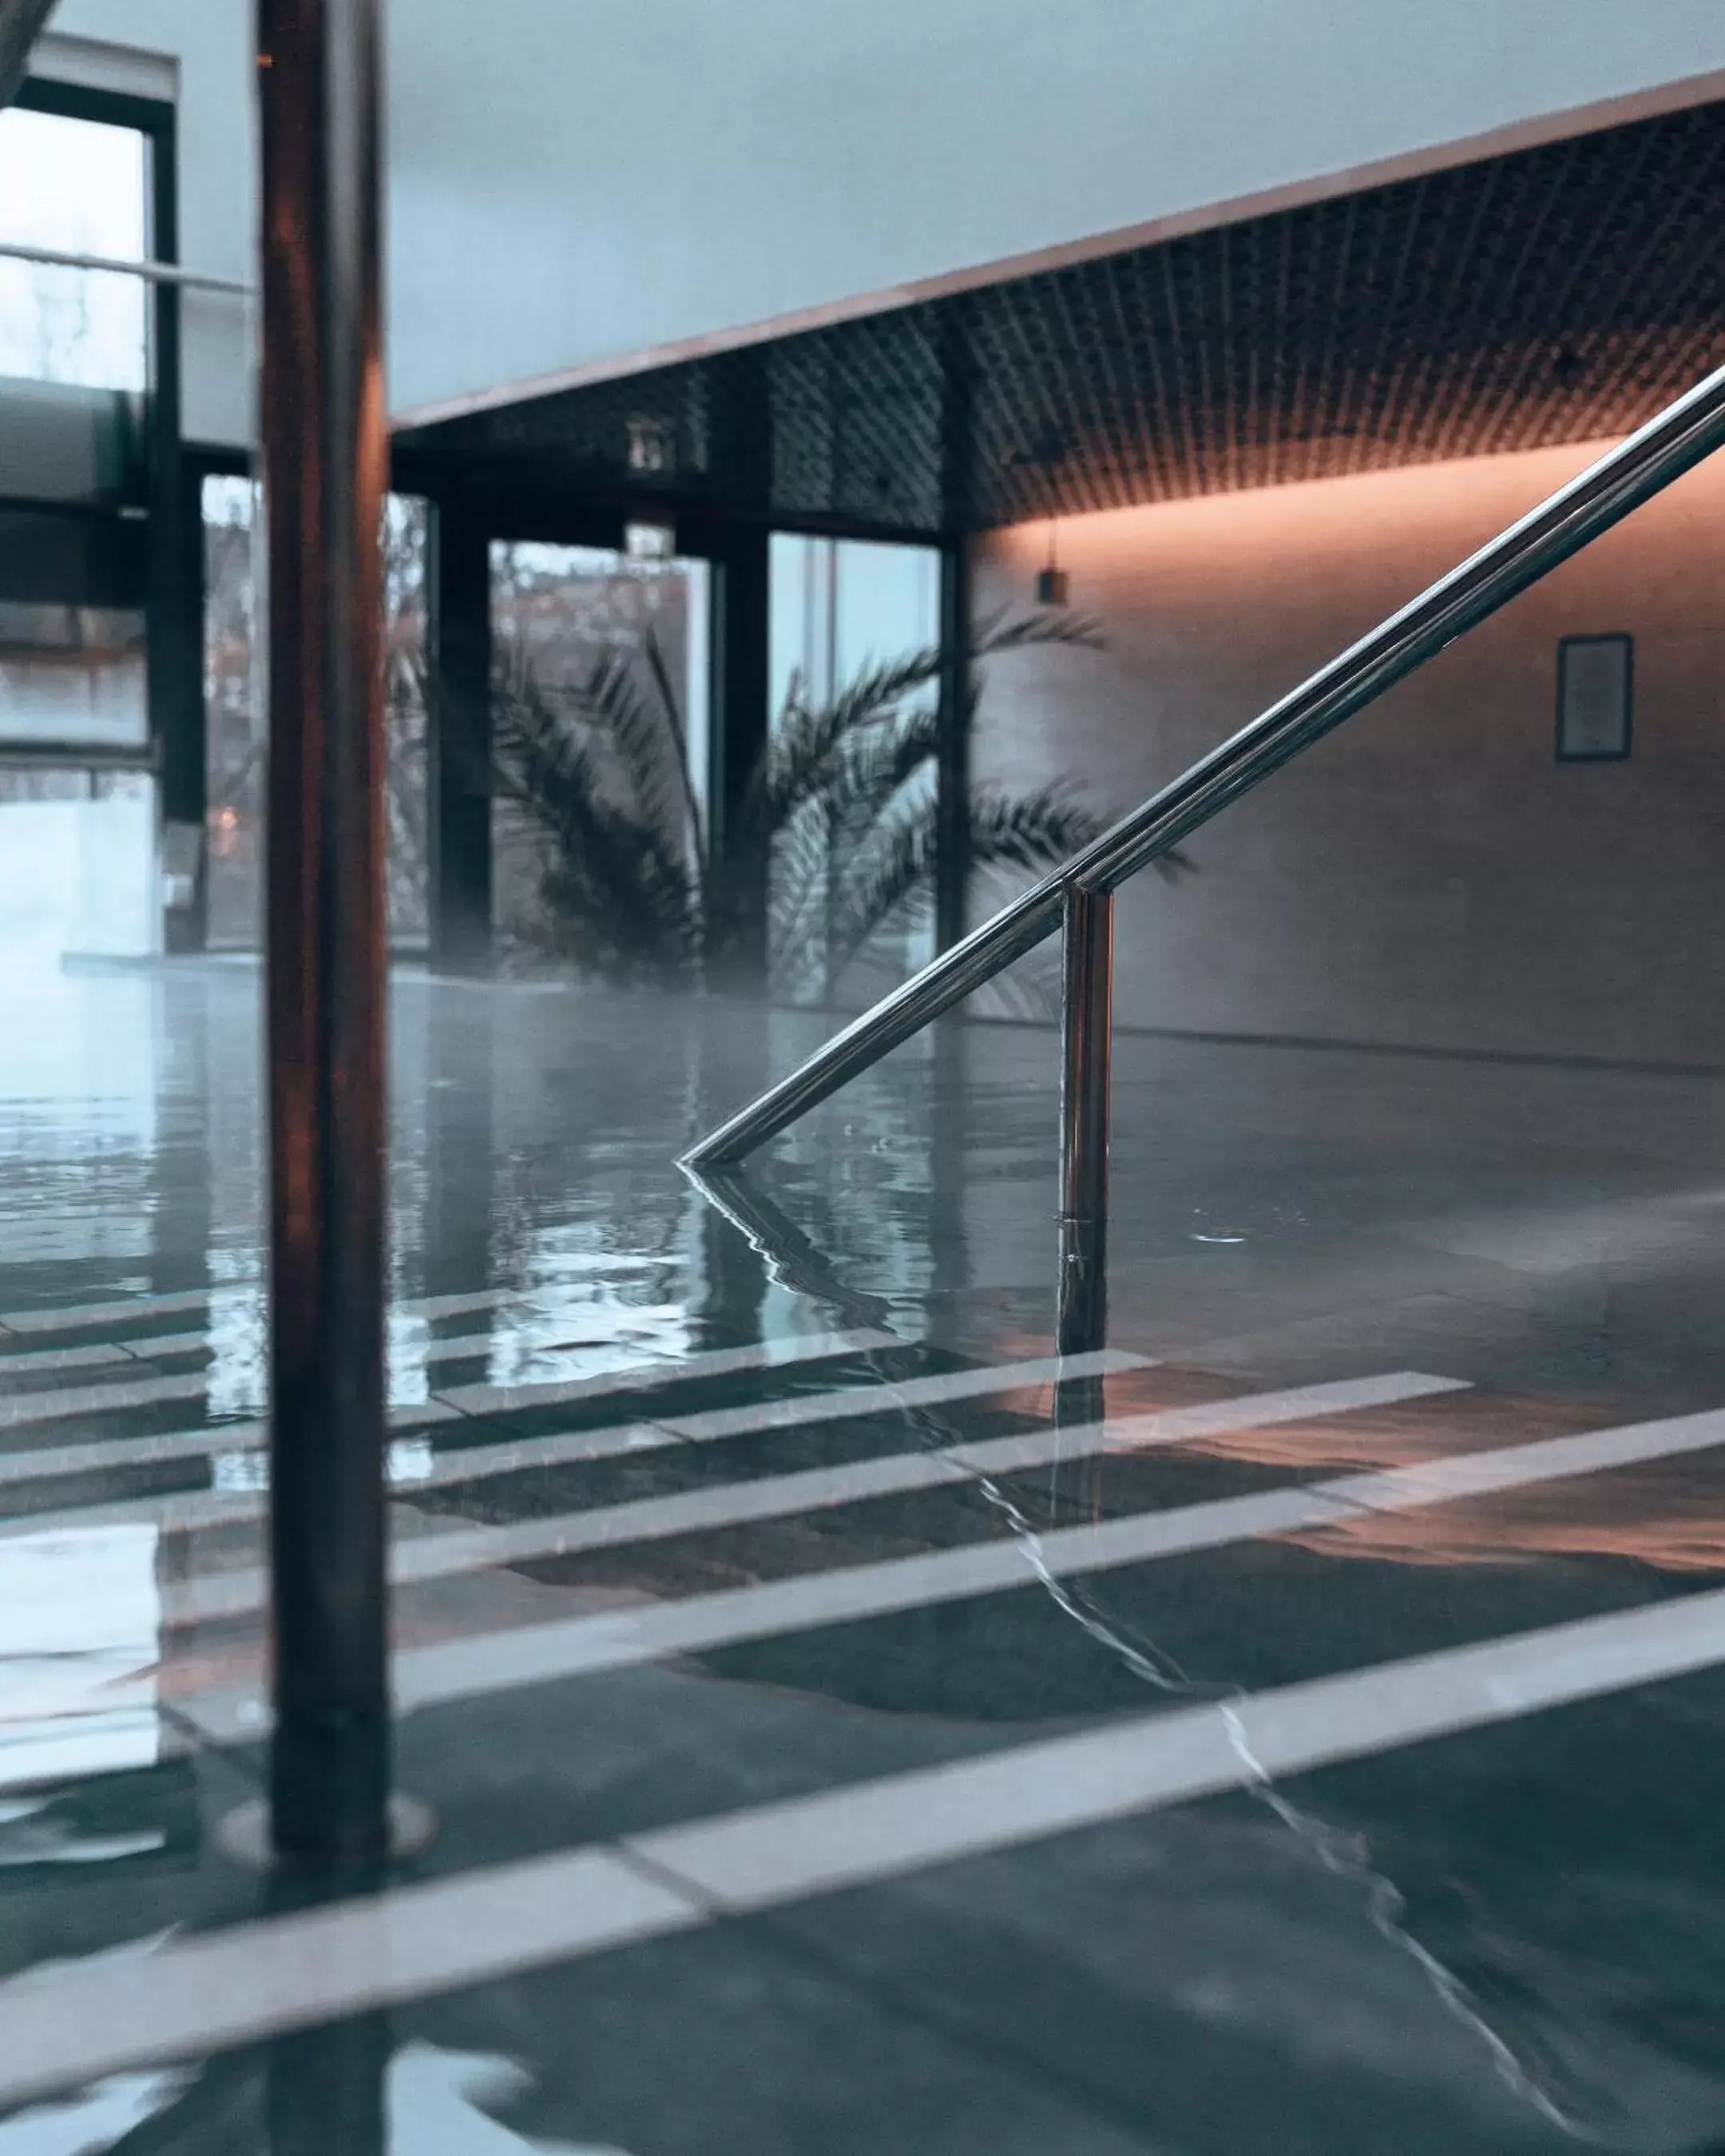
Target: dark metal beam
x,y
542,497
741,598
951,852
324,459
458,589
958,461
174,665
178,718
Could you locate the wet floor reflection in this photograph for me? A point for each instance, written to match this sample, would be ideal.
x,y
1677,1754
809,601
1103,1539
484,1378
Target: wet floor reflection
x,y
358,2088
700,1510
80,1647
328,2088
120,2110
450,2102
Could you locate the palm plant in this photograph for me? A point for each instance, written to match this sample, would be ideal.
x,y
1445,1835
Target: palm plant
x,y
839,817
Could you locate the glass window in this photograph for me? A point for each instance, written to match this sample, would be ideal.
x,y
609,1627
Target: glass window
x,y
72,675
233,714
80,1623
558,614
236,713
839,930
78,874
405,663
78,187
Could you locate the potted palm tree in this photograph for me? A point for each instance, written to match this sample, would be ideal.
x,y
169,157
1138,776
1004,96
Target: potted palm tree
x,y
840,814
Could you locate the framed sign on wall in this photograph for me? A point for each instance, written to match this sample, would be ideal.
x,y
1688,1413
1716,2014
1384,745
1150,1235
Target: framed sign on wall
x,y
1595,698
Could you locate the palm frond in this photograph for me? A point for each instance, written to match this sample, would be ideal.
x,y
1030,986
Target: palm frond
x,y
1005,631
871,768
632,731
807,738
618,897
881,881
1034,830
801,746
896,863
677,734
798,893
840,813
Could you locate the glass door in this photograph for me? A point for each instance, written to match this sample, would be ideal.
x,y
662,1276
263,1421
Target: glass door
x,y
600,702
854,629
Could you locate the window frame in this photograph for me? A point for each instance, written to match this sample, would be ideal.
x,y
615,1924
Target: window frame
x,y
156,120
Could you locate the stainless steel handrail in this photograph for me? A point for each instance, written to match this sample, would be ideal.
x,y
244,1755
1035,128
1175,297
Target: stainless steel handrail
x,y
117,265
1638,468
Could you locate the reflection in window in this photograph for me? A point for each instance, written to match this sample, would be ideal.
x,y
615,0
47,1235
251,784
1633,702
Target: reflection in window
x,y
72,675
233,714
840,608
404,683
78,187
80,1646
560,613
78,874
235,705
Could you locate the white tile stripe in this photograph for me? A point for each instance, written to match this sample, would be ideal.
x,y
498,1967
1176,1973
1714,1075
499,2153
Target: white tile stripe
x,y
248,1980
712,1423
76,1317
148,1347
842,1838
203,1994
156,1346
1511,1467
442,1407
99,1399
29,1365
188,1510
40,1463
443,1553
621,1639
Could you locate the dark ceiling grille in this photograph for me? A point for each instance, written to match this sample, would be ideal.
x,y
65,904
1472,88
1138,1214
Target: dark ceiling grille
x,y
1552,295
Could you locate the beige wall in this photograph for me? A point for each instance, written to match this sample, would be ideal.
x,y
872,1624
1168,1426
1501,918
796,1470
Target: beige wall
x,y
1430,875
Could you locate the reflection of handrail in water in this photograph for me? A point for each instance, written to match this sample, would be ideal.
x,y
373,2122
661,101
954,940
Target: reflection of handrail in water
x,y
791,1259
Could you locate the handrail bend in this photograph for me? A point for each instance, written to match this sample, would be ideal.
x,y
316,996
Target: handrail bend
x,y
1638,468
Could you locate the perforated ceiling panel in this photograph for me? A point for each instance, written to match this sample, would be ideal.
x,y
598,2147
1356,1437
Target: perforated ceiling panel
x,y
1552,295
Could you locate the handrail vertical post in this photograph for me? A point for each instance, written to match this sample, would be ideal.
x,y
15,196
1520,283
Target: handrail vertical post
x,y
1087,1023
325,462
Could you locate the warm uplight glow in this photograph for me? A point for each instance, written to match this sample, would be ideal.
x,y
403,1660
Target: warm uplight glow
x,y
1324,520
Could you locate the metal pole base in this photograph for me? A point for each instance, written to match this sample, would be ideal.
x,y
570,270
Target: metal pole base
x,y
1081,1308
245,1835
